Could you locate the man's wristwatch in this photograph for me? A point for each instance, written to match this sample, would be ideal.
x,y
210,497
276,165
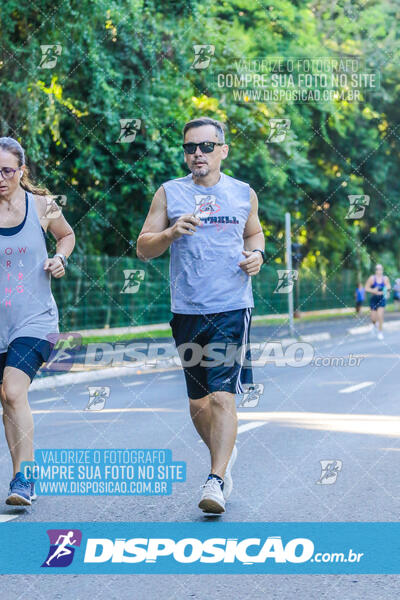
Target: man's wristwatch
x,y
63,259
262,254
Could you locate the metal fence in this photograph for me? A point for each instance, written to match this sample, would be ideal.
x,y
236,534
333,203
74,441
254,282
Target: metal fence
x,y
106,291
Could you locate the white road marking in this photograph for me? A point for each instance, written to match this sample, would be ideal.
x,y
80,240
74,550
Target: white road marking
x,y
167,376
81,422
5,518
360,330
248,426
356,387
47,400
287,341
316,337
51,411
52,381
368,424
133,383
392,325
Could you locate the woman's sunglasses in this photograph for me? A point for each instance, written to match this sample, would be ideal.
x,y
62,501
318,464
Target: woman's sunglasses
x,y
205,147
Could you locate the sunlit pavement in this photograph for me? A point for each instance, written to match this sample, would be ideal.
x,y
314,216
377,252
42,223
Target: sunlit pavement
x,y
348,415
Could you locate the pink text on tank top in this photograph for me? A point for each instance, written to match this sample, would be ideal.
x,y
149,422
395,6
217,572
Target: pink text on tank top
x,y
27,305
19,288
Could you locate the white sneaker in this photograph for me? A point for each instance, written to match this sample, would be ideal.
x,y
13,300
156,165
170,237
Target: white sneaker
x,y
374,329
380,335
228,482
212,499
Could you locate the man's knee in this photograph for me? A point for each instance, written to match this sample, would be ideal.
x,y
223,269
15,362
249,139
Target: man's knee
x,y
222,399
199,405
13,394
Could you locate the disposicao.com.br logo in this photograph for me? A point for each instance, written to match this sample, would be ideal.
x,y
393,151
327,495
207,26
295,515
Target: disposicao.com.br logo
x,y
248,551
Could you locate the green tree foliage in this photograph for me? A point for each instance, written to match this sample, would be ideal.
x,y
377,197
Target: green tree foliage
x,y
132,59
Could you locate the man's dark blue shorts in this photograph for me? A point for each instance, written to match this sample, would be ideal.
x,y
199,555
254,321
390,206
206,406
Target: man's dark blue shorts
x,y
27,354
231,331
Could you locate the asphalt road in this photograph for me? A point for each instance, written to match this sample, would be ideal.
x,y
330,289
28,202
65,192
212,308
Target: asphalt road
x,y
335,412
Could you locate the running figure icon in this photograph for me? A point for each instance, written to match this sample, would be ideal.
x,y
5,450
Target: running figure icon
x,y
62,549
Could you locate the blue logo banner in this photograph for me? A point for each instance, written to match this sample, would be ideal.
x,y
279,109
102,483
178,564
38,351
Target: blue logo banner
x,y
209,547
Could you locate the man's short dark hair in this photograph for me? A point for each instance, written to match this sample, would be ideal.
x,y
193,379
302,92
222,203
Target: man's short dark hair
x,y
219,126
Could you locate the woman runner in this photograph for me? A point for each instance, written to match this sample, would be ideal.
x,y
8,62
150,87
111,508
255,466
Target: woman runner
x,y
28,312
379,286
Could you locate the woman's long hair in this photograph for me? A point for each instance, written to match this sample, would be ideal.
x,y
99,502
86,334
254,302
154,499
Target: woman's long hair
x,y
9,144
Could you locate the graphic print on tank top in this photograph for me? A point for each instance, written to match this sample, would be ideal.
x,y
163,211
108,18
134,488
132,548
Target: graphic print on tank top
x,y
204,272
207,209
205,205
27,305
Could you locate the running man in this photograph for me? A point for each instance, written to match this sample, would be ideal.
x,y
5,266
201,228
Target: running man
x,y
379,286
62,549
28,312
210,221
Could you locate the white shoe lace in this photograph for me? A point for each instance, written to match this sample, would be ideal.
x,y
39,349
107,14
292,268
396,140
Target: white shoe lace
x,y
211,482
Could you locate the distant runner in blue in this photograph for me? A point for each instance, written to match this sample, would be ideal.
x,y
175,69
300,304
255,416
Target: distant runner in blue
x,y
360,296
379,286
396,292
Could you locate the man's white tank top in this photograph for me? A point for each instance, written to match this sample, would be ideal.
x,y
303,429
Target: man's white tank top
x,y
27,305
204,273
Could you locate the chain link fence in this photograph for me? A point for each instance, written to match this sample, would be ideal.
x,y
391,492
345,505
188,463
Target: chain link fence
x,y
106,291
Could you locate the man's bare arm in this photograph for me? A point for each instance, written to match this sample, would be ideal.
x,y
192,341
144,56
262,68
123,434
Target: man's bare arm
x,y
253,234
156,237
253,239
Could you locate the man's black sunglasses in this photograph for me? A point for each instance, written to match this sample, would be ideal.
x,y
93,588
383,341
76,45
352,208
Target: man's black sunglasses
x,y
205,147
